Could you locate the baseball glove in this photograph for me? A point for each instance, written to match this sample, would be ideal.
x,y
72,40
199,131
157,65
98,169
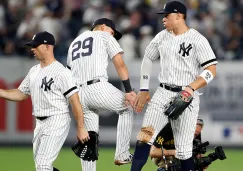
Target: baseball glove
x,y
89,150
178,104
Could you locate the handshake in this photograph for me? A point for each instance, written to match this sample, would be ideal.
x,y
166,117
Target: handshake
x,y
137,101
173,109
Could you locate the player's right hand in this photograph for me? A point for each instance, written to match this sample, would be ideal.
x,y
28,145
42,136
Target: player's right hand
x,y
130,98
142,98
82,134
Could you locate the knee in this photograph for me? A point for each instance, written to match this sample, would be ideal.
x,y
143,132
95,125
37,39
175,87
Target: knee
x,y
43,168
183,155
146,134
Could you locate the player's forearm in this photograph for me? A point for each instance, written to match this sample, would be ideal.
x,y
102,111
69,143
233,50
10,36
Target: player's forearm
x,y
169,152
123,72
146,69
77,110
13,95
79,116
202,81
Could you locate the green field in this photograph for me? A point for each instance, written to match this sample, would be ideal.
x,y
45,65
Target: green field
x,y
20,159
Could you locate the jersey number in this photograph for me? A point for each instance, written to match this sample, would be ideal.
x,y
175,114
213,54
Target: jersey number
x,y
87,46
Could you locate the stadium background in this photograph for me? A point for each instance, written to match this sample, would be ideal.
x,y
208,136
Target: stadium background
x,y
221,103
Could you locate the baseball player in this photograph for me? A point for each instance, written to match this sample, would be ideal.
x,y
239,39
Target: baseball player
x,y
88,58
183,52
50,86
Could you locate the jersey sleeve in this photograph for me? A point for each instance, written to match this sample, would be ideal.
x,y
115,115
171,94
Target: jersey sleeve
x,y
152,50
24,87
69,58
66,83
113,47
205,54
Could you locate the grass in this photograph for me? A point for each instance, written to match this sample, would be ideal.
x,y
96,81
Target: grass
x,y
20,159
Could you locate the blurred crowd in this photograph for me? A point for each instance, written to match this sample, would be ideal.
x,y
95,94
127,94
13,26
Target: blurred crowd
x,y
221,21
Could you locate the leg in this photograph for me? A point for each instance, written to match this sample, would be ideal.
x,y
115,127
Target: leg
x,y
91,122
154,121
183,130
49,137
124,130
107,97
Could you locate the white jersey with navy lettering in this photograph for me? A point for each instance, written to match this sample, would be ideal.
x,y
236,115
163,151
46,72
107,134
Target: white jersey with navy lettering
x,y
88,58
182,58
89,54
50,88
181,64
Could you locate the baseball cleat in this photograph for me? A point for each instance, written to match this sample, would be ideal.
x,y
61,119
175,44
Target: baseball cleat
x,y
126,161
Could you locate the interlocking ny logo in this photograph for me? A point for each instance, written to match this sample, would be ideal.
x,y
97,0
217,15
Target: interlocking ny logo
x,y
46,84
183,50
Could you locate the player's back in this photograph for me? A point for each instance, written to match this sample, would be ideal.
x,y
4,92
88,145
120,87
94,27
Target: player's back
x,y
89,54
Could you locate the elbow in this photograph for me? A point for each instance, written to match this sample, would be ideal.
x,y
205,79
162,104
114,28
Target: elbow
x,y
154,152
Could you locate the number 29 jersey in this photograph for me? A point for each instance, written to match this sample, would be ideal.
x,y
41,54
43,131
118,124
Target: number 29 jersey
x,y
89,55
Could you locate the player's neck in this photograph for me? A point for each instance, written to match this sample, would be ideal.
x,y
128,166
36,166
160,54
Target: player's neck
x,y
180,30
47,61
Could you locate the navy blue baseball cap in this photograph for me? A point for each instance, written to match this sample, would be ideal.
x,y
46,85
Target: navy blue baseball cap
x,y
110,24
41,38
173,7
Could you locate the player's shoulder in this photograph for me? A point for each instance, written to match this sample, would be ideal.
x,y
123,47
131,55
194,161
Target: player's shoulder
x,y
34,68
60,67
163,35
197,35
60,70
81,36
105,36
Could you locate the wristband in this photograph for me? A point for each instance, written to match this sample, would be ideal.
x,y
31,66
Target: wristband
x,y
190,87
207,75
144,89
127,85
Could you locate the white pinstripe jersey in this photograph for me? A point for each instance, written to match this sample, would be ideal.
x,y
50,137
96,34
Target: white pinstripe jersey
x,y
49,88
89,54
181,57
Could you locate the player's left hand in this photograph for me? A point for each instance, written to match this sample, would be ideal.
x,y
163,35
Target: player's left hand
x,y
130,98
82,134
189,90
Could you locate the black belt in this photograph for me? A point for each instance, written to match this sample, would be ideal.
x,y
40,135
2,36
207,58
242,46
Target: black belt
x,y
171,88
42,118
92,82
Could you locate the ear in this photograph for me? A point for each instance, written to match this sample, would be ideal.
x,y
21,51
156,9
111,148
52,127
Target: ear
x,y
178,16
47,47
102,27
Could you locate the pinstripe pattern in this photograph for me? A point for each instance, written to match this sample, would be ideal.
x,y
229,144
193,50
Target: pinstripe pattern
x,y
49,136
178,67
50,102
85,68
49,87
101,95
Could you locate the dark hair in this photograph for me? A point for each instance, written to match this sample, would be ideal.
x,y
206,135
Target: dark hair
x,y
184,16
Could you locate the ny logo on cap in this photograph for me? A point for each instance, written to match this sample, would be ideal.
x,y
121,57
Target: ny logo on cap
x,y
164,6
45,41
33,37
